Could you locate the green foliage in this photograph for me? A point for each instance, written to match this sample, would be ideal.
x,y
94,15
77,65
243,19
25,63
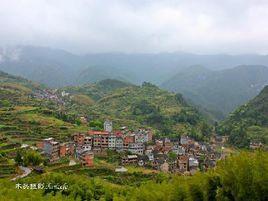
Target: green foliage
x,y
241,177
32,158
150,106
248,123
172,156
4,103
18,158
96,124
219,92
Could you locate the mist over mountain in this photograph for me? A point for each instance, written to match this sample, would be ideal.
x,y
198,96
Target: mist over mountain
x,y
57,68
221,90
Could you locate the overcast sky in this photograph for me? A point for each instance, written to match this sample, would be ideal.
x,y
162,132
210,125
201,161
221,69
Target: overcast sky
x,y
198,26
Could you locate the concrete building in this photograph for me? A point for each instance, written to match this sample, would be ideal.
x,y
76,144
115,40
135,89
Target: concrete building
x,y
108,126
79,139
119,144
183,163
63,150
88,140
87,158
51,149
129,159
136,148
112,142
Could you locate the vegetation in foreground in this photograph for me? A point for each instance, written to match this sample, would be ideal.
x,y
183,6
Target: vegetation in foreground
x,y
240,177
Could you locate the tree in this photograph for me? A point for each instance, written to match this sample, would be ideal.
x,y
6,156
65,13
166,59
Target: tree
x,y
96,124
18,158
32,158
172,156
4,103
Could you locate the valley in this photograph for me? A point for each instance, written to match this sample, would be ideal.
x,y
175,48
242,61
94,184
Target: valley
x,y
116,136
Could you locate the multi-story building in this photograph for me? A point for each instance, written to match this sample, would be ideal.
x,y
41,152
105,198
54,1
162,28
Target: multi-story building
x,y
51,149
128,139
70,148
87,158
63,150
104,141
88,140
112,141
129,159
183,163
136,148
97,142
141,136
178,149
119,143
79,139
100,139
184,140
108,126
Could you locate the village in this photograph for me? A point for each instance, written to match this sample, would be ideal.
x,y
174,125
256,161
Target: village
x,y
139,148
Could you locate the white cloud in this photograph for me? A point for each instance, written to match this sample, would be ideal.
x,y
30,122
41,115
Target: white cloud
x,y
205,26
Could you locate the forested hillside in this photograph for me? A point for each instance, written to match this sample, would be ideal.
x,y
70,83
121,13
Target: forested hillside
x,y
98,89
249,122
145,105
219,91
32,109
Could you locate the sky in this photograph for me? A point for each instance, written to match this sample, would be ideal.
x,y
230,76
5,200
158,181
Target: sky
x,y
137,26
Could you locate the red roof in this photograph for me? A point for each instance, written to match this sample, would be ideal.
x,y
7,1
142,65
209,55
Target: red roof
x,y
118,133
91,132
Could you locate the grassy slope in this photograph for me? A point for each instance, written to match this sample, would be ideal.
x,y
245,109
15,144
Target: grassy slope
x,y
24,116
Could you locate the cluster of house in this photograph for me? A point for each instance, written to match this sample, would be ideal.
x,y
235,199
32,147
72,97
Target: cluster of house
x,y
84,145
98,142
183,155
51,95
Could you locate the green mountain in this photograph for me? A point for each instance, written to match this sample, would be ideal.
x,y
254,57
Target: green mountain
x,y
145,105
219,91
98,73
16,90
35,111
96,90
27,112
249,122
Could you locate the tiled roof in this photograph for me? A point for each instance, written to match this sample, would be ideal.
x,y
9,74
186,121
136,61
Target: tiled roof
x,y
91,132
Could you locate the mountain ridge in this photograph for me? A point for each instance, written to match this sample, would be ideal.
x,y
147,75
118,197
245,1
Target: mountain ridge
x,y
220,90
249,122
58,68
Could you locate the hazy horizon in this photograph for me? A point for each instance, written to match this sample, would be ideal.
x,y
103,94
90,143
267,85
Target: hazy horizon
x,y
81,27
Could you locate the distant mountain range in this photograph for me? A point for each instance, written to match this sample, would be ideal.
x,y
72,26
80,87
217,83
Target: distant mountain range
x,y
218,87
221,90
57,68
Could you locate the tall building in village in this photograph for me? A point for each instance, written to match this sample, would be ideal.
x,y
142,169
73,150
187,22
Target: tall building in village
x,y
108,126
51,149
